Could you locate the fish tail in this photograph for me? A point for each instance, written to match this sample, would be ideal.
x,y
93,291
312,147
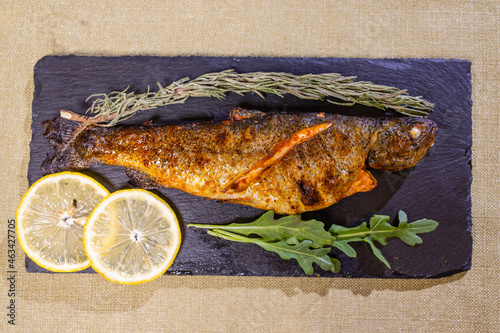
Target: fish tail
x,y
62,155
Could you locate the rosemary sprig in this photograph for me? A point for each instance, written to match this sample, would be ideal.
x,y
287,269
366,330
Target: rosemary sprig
x,y
117,106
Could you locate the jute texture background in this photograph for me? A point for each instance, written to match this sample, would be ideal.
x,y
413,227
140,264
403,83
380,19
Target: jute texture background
x,y
467,302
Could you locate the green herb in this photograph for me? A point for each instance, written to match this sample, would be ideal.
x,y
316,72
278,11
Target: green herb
x,y
380,230
308,242
288,249
272,230
120,105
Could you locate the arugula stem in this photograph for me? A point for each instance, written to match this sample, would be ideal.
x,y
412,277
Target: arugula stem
x,y
230,236
346,236
205,226
262,243
236,228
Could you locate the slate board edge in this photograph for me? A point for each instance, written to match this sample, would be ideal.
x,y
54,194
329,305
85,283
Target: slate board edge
x,y
263,58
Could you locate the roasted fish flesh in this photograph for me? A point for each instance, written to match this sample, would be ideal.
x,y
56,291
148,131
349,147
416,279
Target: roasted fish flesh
x,y
291,163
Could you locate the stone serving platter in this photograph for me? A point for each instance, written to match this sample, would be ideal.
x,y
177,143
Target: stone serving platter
x,y
437,188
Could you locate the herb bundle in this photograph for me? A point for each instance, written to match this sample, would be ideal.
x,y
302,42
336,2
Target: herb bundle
x,y
308,242
109,109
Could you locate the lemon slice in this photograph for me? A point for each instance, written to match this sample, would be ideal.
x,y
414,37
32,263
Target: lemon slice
x,y
50,219
132,237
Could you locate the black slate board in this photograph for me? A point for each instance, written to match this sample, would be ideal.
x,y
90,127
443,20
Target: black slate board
x,y
437,188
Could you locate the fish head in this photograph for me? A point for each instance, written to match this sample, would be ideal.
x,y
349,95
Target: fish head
x,y
401,143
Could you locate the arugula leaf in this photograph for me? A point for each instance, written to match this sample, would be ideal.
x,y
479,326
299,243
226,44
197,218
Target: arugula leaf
x,y
380,230
308,242
272,230
293,249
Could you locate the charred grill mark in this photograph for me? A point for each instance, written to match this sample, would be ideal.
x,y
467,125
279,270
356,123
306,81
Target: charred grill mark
x,y
308,193
331,178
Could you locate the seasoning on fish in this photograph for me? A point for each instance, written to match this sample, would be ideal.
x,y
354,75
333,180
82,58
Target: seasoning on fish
x,y
291,163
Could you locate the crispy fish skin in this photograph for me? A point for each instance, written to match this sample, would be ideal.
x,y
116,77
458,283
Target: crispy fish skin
x,y
291,163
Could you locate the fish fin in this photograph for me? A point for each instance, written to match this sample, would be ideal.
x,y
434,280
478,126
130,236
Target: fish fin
x,y
61,134
364,183
242,182
148,123
241,114
141,180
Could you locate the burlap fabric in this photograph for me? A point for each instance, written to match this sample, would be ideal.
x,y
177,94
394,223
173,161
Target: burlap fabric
x,y
467,302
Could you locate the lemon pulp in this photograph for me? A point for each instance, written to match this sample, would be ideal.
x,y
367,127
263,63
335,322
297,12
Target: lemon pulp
x,y
50,219
131,237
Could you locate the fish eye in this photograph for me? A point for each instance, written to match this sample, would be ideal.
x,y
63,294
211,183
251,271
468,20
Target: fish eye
x,y
415,132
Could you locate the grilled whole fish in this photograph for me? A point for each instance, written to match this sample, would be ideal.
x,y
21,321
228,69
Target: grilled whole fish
x,y
291,163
